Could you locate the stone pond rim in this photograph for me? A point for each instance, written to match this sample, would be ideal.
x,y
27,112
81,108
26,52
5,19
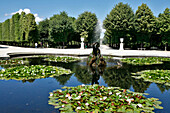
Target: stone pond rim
x,y
17,54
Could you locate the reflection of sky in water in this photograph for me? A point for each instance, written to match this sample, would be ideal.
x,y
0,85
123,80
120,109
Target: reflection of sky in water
x,y
1,68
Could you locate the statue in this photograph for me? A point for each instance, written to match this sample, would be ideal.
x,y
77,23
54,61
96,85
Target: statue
x,y
96,56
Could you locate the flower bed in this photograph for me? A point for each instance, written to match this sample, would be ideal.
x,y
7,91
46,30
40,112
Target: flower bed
x,y
144,61
12,62
95,98
32,72
157,76
62,59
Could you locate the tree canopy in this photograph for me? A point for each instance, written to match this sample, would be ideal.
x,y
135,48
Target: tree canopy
x,y
85,25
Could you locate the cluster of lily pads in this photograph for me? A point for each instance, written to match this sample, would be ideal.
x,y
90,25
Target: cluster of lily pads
x,y
145,61
62,59
32,72
12,62
96,98
157,76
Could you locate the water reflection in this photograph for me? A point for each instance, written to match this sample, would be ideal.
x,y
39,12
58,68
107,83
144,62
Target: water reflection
x,y
114,74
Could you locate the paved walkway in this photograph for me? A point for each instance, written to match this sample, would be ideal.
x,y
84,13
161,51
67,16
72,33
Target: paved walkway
x,y
5,51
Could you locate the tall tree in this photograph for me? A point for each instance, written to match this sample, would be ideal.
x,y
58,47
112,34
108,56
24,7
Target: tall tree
x,y
31,27
164,25
119,22
16,18
23,26
43,28
60,27
86,24
6,30
144,23
1,32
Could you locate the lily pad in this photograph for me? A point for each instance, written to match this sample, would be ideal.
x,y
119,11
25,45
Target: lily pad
x,y
32,72
101,99
12,62
145,61
62,59
157,76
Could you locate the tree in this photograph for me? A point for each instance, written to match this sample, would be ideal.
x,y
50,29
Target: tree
x,y
12,29
86,23
144,23
164,26
31,29
1,32
43,28
22,26
6,30
119,23
16,18
60,27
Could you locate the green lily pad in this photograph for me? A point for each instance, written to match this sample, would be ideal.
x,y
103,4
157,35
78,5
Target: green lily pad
x,y
12,62
62,59
157,76
145,61
32,72
101,99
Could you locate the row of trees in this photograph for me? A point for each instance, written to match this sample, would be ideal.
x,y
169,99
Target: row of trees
x,y
141,27
20,28
60,29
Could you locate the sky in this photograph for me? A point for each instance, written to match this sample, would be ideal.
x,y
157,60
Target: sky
x,y
43,9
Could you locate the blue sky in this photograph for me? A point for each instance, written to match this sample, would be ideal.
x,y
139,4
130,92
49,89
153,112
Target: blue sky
x,y
47,8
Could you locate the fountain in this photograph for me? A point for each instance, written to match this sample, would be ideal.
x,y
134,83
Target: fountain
x,y
121,44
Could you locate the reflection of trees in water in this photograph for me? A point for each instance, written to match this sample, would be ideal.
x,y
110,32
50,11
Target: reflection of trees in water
x,y
121,77
62,79
83,74
163,87
30,81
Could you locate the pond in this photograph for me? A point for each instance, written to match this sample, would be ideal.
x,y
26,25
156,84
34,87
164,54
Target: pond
x,y
32,96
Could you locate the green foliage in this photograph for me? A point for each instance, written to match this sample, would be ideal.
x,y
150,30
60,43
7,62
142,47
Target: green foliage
x,y
32,72
62,59
144,23
157,76
0,31
43,28
144,61
60,26
16,18
164,26
85,25
11,62
6,30
119,22
95,98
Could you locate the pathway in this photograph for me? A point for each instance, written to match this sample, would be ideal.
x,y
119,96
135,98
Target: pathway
x,y
6,50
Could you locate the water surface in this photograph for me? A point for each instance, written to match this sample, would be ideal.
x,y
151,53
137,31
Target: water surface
x,y
32,96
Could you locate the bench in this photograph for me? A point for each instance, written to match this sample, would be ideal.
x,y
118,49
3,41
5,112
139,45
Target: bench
x,y
141,48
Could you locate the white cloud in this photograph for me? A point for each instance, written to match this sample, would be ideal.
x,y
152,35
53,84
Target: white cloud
x,y
27,11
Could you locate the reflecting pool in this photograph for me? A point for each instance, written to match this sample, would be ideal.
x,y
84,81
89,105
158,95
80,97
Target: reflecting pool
x,y
32,96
